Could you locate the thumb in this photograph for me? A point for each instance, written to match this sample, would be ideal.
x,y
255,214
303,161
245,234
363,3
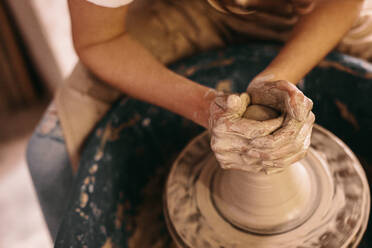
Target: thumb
x,y
251,129
237,104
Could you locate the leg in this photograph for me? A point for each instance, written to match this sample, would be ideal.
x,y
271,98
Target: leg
x,y
50,169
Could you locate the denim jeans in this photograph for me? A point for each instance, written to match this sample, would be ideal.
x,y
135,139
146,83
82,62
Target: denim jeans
x,y
50,169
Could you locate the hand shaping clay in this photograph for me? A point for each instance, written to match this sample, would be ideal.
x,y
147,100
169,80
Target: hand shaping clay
x,y
267,128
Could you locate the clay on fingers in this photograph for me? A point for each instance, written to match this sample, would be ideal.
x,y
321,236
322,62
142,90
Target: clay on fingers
x,y
267,135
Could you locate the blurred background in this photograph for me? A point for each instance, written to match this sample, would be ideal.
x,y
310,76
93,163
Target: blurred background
x,y
36,54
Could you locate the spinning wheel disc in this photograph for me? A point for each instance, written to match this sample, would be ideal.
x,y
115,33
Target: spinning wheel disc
x,y
338,219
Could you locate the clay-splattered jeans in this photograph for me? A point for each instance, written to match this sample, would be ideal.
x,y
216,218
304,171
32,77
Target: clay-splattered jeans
x,y
50,168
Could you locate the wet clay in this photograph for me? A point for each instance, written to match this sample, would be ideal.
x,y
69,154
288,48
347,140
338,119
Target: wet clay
x,y
260,113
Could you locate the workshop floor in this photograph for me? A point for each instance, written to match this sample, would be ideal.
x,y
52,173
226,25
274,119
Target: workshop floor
x,y
21,221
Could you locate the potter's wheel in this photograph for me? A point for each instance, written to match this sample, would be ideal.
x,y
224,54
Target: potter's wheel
x,y
334,213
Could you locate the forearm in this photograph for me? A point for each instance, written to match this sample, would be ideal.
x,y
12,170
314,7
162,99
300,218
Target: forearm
x,y
103,45
315,35
126,65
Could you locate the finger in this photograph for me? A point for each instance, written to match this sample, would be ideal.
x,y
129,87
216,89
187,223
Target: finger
x,y
255,167
237,104
229,160
299,106
229,143
283,152
285,135
258,166
217,109
250,129
244,151
288,160
239,162
234,124
220,102
296,104
301,142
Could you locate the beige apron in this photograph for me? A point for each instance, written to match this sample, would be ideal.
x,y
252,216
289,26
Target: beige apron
x,y
171,30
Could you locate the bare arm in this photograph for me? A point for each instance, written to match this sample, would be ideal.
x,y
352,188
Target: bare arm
x,y
315,35
105,47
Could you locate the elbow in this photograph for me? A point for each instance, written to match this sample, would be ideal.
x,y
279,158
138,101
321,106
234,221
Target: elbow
x,y
80,49
83,50
83,56
91,50
87,57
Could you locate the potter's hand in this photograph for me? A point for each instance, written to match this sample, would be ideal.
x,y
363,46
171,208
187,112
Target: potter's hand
x,y
290,142
232,134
